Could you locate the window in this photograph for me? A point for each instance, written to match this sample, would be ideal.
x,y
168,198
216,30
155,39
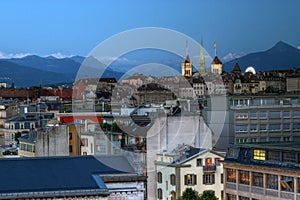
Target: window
x,y
273,156
241,128
287,183
274,115
217,161
243,198
253,128
159,177
173,179
231,197
167,185
289,157
259,154
274,139
173,195
286,127
253,115
208,179
232,153
190,179
85,142
262,115
257,179
263,127
70,149
159,193
296,114
244,177
199,162
286,114
231,175
272,181
208,162
241,116
296,127
70,136
222,178
274,127
241,140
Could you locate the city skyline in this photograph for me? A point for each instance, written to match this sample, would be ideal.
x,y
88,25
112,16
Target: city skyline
x,y
75,28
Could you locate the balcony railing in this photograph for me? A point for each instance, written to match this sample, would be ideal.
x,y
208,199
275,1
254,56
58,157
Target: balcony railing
x,y
209,168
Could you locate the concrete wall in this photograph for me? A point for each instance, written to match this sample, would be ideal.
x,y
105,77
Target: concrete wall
x,y
53,142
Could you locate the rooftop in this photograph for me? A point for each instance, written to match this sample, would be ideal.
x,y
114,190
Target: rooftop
x,y
43,174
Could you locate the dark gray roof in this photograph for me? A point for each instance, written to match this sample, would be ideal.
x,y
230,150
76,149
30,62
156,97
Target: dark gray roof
x,y
58,173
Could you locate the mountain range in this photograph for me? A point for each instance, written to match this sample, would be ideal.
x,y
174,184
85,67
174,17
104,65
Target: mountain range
x,y
280,57
34,70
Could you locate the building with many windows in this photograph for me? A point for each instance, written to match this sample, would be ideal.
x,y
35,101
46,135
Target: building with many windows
x,y
258,171
264,118
186,167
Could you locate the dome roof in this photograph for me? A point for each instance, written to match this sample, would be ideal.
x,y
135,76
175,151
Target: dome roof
x,y
250,69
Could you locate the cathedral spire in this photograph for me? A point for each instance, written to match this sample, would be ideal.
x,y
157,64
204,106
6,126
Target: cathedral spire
x,y
215,47
202,65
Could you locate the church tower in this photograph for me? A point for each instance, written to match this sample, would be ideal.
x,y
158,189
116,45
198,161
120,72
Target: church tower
x,y
202,65
186,65
216,65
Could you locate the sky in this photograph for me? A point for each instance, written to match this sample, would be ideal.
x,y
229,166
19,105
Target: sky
x,y
75,27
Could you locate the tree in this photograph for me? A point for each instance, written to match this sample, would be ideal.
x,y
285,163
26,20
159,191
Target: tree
x,y
189,194
270,89
17,135
208,195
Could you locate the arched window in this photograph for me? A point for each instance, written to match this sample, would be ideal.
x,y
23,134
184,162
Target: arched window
x,y
173,195
159,193
172,178
159,177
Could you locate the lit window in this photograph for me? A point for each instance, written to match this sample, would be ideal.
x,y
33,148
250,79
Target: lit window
x,y
244,177
190,179
259,154
231,175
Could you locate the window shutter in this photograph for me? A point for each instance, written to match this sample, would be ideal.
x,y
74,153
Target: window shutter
x,y
195,179
203,179
185,179
213,179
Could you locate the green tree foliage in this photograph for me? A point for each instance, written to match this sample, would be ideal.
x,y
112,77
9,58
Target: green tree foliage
x,y
208,195
189,194
17,135
269,89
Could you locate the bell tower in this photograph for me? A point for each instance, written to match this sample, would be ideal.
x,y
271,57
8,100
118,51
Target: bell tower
x,y
186,65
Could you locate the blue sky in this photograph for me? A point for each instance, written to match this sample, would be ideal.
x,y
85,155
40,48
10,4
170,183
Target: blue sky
x,y
73,27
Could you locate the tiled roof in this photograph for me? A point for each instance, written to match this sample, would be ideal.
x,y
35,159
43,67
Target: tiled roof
x,y
216,60
236,68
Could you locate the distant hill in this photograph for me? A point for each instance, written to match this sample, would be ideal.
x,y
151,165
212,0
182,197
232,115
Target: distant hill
x,y
35,70
28,76
281,56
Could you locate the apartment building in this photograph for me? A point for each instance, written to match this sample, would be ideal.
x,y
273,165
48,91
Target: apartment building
x,y
264,118
188,167
262,171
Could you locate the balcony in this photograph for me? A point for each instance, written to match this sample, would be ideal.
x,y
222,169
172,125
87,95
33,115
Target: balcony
x,y
209,168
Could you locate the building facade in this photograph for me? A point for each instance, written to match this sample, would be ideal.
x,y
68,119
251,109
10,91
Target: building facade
x,y
199,169
262,171
264,118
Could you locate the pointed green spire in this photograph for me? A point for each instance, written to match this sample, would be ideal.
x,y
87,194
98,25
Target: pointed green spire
x,y
202,65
